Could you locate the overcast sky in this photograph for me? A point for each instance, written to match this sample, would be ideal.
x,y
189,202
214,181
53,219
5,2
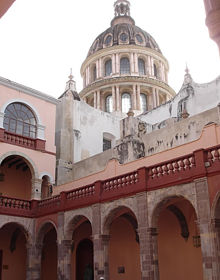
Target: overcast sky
x,y
40,40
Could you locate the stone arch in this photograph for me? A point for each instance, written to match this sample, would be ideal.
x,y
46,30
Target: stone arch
x,y
50,177
33,109
28,160
214,206
109,216
158,198
72,220
22,227
42,230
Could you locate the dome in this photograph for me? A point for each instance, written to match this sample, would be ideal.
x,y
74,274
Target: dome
x,y
123,31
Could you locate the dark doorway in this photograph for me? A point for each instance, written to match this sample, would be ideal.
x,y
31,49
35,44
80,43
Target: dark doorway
x,y
84,260
0,264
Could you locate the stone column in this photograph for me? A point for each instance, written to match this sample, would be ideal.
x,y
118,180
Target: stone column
x,y
63,251
138,97
33,261
95,99
100,246
208,245
148,242
149,66
113,64
135,63
36,189
132,63
100,68
117,63
118,98
98,100
134,98
113,99
157,97
97,69
154,97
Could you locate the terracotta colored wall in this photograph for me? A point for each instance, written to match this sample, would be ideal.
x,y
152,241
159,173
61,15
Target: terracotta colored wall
x,y
17,183
178,259
123,251
16,261
49,259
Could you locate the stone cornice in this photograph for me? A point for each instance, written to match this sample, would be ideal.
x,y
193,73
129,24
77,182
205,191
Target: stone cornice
x,y
127,79
124,49
27,90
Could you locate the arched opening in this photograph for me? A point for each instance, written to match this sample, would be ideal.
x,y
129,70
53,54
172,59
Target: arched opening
x,y
46,187
80,230
125,102
143,102
13,252
124,65
15,177
124,248
19,119
155,71
179,249
141,66
84,260
109,104
48,235
108,67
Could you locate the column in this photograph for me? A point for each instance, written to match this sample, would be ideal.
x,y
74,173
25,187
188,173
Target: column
x,y
117,98
117,63
132,63
157,97
208,245
134,98
64,259
97,69
149,66
113,64
98,99
36,189
33,261
100,246
135,63
138,97
154,97
148,242
100,68
95,99
113,99
1,119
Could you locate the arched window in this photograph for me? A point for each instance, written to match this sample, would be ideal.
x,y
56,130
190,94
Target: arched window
x,y
94,73
20,119
126,102
109,104
141,67
143,102
108,67
124,65
155,71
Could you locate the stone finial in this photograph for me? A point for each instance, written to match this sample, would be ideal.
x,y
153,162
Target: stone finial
x,y
130,113
122,8
187,77
71,84
184,114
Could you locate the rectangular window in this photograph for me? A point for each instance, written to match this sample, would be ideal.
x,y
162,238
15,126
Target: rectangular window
x,y
107,144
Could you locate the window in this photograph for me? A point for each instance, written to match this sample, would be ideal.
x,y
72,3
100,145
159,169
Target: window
x,y
109,104
107,144
108,67
123,37
94,73
141,66
108,40
143,102
126,102
155,71
124,66
139,38
19,119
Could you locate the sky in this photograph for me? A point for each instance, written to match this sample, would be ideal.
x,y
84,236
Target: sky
x,y
41,40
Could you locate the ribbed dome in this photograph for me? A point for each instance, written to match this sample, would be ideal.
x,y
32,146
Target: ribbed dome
x,y
123,34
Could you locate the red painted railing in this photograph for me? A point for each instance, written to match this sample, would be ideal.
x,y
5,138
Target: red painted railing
x,y
169,173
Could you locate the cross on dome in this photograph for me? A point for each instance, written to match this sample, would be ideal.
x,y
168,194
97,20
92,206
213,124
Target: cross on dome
x,y
122,8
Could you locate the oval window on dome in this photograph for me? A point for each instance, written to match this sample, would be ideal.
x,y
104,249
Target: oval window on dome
x,y
139,38
123,37
108,40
